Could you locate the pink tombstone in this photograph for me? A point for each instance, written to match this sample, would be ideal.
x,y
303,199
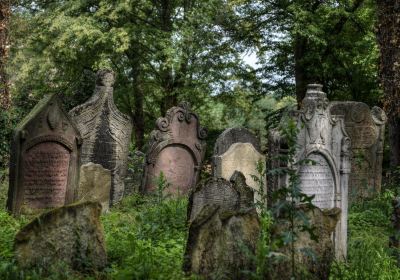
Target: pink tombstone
x,y
177,150
44,159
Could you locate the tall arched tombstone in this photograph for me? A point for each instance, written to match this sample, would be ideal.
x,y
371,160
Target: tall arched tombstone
x,y
366,129
176,149
238,149
106,132
323,140
44,159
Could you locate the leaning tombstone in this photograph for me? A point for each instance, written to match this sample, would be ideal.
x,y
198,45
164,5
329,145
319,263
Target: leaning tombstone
x,y
223,229
106,132
176,151
366,129
237,149
71,235
44,159
95,185
322,159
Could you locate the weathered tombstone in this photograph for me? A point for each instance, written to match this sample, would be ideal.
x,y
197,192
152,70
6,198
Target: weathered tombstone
x,y
95,184
317,262
237,149
366,129
176,149
324,151
134,176
323,139
71,234
223,229
106,132
44,159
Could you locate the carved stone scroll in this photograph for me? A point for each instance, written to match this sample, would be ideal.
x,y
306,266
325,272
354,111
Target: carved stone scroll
x,y
44,159
106,132
176,148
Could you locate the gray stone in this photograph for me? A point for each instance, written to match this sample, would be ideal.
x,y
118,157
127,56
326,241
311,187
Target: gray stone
x,y
366,129
237,149
223,229
71,234
44,159
95,184
134,176
323,155
321,251
106,132
176,149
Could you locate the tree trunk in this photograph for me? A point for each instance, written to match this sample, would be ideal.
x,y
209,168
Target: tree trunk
x,y
388,36
300,74
5,12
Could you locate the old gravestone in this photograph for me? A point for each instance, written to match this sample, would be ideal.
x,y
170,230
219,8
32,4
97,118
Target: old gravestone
x,y
71,234
176,149
366,129
44,159
223,229
324,151
106,132
94,184
237,149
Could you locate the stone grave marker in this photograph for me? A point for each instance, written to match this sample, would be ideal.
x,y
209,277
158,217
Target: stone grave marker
x,y
323,139
366,129
176,149
223,229
44,159
106,132
72,234
95,184
237,149
324,151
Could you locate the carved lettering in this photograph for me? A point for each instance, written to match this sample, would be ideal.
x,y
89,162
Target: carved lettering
x,y
45,175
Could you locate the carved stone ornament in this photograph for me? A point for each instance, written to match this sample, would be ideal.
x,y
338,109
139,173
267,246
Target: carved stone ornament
x,y
106,132
177,147
44,159
366,129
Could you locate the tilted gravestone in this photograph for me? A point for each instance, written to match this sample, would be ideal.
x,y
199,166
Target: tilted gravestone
x,y
71,234
366,129
44,159
106,132
176,149
324,153
237,149
95,185
223,229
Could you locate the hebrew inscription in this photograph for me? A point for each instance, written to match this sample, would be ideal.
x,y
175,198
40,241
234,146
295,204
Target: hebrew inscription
x,y
46,175
316,179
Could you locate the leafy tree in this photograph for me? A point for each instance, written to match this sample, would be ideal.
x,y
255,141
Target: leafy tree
x,y
301,42
163,51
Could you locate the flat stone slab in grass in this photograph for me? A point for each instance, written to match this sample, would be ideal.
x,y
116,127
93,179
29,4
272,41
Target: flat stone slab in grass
x,y
71,234
95,184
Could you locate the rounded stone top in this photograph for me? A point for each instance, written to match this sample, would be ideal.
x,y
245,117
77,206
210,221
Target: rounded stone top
x,y
315,90
105,77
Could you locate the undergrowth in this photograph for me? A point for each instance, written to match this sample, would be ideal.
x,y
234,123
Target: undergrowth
x,y
146,236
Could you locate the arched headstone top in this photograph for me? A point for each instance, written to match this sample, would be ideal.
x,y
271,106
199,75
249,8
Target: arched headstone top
x,y
235,135
176,148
